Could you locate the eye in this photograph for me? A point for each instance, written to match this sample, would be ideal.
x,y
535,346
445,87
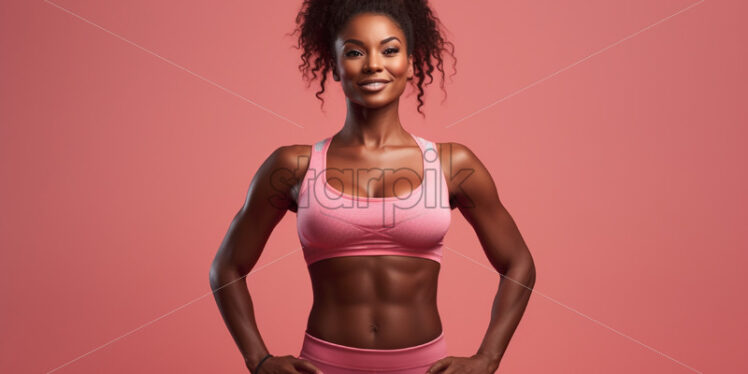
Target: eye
x,y
391,50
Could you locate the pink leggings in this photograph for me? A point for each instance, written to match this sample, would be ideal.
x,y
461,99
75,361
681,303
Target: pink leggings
x,y
334,358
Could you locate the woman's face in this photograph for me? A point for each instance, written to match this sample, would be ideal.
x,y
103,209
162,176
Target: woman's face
x,y
372,47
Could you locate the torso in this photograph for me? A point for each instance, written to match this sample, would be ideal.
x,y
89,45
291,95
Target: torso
x,y
376,302
381,302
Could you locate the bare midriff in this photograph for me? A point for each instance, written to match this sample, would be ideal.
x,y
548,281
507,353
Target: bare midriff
x,y
375,302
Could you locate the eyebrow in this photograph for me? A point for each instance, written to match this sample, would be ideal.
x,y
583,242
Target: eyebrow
x,y
355,41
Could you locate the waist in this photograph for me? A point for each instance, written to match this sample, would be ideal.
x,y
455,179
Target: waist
x,y
375,326
349,357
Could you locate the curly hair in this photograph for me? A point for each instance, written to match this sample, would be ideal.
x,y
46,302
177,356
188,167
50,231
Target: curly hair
x,y
319,21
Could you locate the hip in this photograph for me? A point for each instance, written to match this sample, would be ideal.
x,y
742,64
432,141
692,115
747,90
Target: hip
x,y
334,358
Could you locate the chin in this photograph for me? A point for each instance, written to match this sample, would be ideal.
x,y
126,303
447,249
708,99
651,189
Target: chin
x,y
375,103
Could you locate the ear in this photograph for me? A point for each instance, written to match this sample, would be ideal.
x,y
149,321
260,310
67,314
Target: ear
x,y
410,67
335,75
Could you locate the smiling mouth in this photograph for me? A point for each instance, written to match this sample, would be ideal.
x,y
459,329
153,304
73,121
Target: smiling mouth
x,y
374,86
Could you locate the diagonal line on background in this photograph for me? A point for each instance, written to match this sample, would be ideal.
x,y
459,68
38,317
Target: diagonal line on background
x,y
300,126
575,311
171,312
180,67
216,85
574,64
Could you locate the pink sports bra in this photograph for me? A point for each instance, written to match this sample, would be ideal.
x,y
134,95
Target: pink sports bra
x,y
333,224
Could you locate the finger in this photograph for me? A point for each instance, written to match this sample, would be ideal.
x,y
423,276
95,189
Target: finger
x,y
439,365
306,366
454,368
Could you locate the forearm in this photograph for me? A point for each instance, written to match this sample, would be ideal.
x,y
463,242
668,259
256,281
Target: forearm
x,y
508,307
235,304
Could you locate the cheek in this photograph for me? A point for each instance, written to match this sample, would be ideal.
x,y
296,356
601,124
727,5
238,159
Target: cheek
x,y
400,68
349,75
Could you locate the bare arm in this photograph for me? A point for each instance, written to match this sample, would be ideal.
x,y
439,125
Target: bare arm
x,y
479,203
267,201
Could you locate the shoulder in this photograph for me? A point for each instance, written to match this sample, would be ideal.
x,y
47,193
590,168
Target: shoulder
x,y
292,161
291,156
279,177
467,178
457,156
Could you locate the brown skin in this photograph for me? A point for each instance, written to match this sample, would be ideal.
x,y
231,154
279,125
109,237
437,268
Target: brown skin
x,y
378,302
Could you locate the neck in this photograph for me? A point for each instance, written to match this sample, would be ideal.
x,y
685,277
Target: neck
x,y
372,126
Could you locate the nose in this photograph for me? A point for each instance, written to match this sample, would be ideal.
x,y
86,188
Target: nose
x,y
373,62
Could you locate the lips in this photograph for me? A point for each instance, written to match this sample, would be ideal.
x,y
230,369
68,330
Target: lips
x,y
373,85
365,81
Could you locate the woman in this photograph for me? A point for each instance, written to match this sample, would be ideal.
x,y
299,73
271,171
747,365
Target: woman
x,y
373,244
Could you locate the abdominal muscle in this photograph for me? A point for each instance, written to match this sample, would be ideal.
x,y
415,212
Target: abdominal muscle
x,y
375,302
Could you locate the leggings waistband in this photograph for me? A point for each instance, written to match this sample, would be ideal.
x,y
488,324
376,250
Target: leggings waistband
x,y
344,356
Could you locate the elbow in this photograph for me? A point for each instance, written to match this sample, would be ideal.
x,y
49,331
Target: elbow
x,y
531,276
529,266
523,268
213,276
219,274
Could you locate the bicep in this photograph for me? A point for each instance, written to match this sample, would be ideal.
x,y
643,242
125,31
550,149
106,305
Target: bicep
x,y
478,200
267,201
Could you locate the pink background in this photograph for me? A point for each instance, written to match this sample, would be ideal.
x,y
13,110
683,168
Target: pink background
x,y
615,132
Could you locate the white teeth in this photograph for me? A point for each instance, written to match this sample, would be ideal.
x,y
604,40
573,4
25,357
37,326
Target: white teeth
x,y
374,84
